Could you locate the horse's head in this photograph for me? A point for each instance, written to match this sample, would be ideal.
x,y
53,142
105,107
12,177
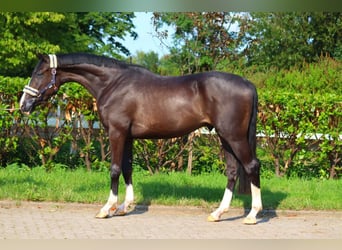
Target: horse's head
x,y
43,84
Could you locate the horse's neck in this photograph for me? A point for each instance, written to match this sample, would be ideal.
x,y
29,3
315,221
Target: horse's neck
x,y
91,77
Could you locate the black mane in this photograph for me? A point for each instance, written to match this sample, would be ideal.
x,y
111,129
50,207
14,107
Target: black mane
x,y
79,58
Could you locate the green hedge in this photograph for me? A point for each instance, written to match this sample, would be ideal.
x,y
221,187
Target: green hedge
x,y
301,133
299,125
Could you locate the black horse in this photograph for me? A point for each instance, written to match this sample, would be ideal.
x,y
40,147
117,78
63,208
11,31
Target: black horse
x,y
135,103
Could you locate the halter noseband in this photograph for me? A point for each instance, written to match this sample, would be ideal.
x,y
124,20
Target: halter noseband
x,y
38,93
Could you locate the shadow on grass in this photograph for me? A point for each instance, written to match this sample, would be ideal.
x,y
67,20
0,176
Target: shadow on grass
x,y
154,191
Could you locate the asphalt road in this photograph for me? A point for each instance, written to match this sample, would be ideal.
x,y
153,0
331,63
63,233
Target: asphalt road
x,y
45,220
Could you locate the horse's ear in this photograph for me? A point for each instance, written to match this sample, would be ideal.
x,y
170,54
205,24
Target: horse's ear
x,y
42,57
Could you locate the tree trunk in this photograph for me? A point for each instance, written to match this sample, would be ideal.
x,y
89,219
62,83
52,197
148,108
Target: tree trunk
x,y
87,161
332,172
334,160
277,166
180,163
102,147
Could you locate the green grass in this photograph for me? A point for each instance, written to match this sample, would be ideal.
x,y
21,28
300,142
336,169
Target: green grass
x,y
164,189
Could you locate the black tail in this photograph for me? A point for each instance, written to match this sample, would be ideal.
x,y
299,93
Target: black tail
x,y
253,124
245,182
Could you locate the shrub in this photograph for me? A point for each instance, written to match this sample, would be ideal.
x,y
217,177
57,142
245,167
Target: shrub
x,y
302,131
299,120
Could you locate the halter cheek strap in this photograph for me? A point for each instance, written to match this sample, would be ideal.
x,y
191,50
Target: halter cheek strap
x,y
36,93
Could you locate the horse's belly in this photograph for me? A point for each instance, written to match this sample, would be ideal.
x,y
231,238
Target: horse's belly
x,y
166,128
172,117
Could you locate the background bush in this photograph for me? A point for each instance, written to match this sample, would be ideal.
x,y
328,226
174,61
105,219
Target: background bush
x,y
299,127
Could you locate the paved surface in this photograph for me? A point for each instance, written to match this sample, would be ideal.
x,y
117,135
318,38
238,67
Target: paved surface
x,y
35,220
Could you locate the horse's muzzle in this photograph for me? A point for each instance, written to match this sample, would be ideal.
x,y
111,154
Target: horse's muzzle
x,y
27,106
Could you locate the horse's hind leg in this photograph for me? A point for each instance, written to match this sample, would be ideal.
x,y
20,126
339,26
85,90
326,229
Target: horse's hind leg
x,y
127,174
251,165
232,167
254,174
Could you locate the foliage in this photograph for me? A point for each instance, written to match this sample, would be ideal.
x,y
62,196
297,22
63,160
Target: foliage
x,y
26,34
47,134
10,118
299,104
160,155
8,141
266,40
148,60
295,129
208,155
300,113
81,112
201,40
315,78
301,124
285,39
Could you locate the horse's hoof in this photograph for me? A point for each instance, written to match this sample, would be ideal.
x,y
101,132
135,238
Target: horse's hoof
x,y
249,221
102,215
212,219
120,213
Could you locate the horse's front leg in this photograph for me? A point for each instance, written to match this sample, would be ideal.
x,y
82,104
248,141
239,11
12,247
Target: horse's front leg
x,y
127,174
117,148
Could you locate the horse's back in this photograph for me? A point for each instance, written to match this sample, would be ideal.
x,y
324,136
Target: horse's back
x,y
225,83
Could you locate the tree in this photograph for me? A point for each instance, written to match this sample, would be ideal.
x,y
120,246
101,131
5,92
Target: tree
x,y
286,39
26,34
201,39
148,60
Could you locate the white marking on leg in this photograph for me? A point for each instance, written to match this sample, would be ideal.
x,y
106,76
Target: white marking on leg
x,y
129,195
224,205
111,203
129,198
256,205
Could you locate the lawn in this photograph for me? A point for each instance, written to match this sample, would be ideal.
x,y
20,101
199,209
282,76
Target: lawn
x,y
206,190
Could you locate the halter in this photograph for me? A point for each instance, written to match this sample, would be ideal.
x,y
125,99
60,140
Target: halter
x,y
39,93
